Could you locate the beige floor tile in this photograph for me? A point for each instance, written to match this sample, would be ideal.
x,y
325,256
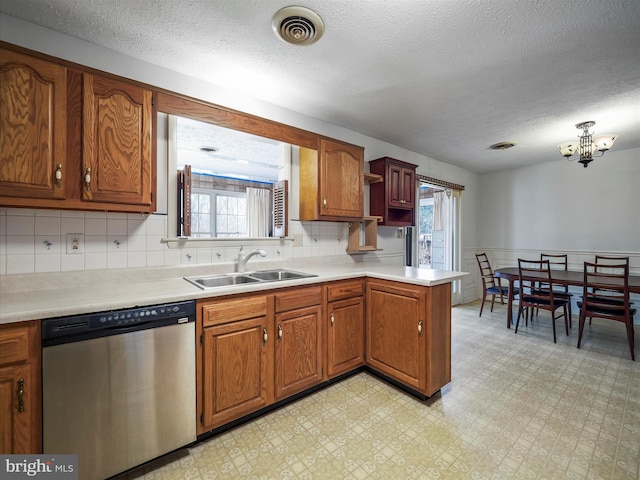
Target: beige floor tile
x,y
518,407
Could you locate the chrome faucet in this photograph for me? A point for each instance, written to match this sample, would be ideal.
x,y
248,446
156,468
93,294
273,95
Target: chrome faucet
x,y
244,258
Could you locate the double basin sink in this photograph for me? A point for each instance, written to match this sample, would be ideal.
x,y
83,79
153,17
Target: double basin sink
x,y
206,282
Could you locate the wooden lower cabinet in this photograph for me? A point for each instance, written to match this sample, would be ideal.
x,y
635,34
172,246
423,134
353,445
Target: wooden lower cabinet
x,y
236,376
409,333
20,389
298,344
345,327
258,349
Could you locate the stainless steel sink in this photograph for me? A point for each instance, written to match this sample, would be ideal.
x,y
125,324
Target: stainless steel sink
x,y
225,280
280,274
214,281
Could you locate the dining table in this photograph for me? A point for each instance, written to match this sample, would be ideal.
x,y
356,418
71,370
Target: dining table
x,y
560,277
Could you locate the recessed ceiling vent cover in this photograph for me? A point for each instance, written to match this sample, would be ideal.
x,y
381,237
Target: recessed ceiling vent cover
x,y
297,25
209,149
502,145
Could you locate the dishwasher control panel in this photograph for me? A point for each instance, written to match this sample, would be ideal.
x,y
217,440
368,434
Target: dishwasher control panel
x,y
92,325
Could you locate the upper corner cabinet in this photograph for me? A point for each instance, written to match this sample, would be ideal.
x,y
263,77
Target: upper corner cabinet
x,y
393,199
33,125
331,181
117,142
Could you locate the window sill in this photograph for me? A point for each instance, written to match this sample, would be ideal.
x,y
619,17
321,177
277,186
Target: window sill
x,y
182,242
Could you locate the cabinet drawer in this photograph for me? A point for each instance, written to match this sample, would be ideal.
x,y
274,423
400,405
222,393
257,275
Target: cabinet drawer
x,y
232,310
14,345
346,289
291,299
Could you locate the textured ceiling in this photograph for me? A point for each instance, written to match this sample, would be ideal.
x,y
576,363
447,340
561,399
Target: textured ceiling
x,y
445,78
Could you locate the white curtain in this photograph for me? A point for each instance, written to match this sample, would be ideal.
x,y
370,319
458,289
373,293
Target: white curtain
x,y
438,210
258,212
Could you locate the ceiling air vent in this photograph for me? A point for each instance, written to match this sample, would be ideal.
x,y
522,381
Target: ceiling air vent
x,y
297,25
502,145
209,149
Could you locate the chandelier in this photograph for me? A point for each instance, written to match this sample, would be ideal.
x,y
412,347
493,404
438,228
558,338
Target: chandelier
x,y
587,146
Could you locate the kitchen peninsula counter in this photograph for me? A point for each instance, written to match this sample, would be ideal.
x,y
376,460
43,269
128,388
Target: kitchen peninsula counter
x,y
26,297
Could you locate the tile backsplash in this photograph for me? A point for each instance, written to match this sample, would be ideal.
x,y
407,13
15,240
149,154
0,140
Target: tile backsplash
x,y
36,241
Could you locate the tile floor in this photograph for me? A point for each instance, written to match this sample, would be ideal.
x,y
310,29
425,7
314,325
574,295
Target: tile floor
x,y
518,407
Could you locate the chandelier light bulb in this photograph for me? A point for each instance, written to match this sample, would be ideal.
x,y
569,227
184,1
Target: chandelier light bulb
x,y
605,142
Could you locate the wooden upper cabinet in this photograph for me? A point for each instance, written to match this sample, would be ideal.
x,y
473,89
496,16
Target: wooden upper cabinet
x,y
394,198
331,181
401,186
117,142
33,100
341,179
73,139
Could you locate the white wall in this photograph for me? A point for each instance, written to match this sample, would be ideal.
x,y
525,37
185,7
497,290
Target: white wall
x,y
22,248
562,206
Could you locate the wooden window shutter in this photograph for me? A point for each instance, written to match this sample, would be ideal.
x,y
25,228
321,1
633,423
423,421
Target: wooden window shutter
x,y
280,208
184,201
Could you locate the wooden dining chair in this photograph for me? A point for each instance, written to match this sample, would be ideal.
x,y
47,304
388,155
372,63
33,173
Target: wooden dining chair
x,y
610,264
559,262
605,294
490,283
531,274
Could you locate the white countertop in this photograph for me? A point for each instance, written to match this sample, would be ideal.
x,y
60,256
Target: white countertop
x,y
47,295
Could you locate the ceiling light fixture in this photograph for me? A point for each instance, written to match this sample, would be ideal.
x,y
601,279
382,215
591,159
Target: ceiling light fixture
x,y
587,146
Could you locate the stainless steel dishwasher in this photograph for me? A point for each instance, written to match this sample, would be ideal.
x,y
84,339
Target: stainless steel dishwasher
x,y
119,387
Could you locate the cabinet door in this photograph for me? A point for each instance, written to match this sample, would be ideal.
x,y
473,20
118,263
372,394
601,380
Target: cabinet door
x,y
408,178
15,433
235,370
395,332
345,337
394,184
117,143
298,350
33,102
341,179
401,186
20,394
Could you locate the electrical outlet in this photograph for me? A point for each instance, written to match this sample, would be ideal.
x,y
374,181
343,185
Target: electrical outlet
x,y
297,239
75,243
399,233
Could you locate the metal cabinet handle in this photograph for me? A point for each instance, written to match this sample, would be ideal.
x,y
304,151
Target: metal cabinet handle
x,y
420,328
324,202
265,336
332,318
21,395
58,175
279,331
87,179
